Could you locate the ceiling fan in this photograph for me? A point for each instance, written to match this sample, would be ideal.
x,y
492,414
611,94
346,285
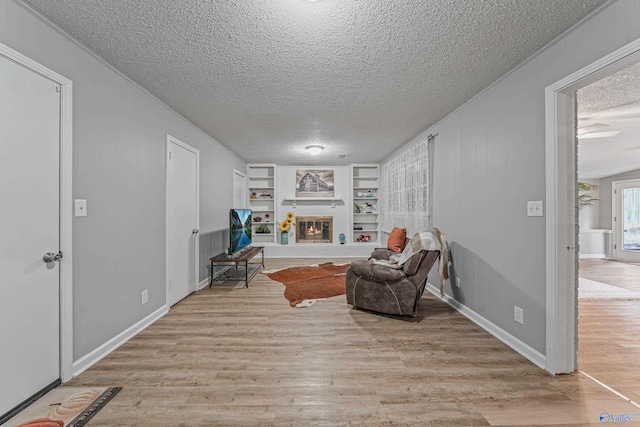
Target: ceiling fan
x,y
595,131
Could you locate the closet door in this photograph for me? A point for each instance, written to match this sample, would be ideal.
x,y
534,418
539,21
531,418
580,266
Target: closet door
x,y
30,228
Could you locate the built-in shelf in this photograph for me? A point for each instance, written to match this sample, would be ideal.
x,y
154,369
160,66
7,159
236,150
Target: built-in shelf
x,y
261,180
365,180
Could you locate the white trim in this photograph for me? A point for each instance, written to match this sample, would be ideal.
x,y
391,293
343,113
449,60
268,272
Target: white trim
x,y
66,230
203,283
521,347
66,219
593,256
561,323
90,359
172,140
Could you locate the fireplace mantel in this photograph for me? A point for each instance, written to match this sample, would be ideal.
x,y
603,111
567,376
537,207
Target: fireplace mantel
x,y
294,200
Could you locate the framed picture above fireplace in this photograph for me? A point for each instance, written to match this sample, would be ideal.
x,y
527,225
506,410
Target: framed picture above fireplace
x,y
314,183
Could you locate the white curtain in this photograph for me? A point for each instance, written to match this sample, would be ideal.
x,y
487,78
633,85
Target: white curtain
x,y
405,180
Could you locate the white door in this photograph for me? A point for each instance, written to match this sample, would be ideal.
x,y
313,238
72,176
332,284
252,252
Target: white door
x,y
239,190
182,219
29,227
626,202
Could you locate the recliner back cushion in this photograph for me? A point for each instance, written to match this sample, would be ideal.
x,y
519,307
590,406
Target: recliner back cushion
x,y
411,266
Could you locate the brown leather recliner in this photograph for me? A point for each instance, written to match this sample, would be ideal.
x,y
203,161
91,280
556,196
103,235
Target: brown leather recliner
x,y
386,290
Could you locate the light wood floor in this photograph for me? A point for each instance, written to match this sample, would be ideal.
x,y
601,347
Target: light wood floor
x,y
609,330
231,356
621,274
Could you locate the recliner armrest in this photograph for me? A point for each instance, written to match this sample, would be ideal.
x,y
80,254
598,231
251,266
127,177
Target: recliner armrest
x,y
376,272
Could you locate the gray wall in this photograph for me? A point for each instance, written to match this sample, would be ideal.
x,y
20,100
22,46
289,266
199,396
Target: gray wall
x,y
119,148
606,200
490,160
589,216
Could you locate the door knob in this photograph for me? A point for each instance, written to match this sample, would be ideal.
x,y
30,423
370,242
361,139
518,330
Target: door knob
x,y
51,257
195,231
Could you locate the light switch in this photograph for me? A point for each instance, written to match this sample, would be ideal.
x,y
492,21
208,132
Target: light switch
x,y
534,208
81,207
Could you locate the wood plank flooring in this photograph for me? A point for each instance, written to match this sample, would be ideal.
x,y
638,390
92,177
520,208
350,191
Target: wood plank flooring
x,y
609,330
614,273
234,356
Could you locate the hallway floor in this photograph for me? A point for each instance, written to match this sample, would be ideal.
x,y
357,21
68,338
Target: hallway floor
x,y
234,356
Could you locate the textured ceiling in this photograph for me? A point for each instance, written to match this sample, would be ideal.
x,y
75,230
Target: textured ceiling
x,y
613,101
268,77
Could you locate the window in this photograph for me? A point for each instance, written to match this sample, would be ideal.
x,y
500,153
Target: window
x,y
405,188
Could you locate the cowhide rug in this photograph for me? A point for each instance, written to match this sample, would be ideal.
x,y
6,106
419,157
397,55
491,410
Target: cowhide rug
x,y
305,285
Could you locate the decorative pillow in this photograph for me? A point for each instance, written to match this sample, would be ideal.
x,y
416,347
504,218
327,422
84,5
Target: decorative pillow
x,y
396,239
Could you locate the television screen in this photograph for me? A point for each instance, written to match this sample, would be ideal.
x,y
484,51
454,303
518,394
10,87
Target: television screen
x,y
239,229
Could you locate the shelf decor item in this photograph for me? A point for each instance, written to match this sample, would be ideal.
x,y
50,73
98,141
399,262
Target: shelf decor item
x,y
284,228
263,229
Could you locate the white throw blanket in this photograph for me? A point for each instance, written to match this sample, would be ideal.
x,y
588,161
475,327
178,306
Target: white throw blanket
x,y
431,240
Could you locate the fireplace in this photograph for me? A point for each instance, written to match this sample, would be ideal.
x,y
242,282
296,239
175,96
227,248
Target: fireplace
x,y
314,229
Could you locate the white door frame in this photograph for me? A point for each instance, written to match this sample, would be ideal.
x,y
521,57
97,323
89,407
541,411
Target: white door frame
x,y
66,202
561,200
172,140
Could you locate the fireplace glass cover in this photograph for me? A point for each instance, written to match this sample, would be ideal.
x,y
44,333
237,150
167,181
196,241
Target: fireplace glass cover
x,y
314,229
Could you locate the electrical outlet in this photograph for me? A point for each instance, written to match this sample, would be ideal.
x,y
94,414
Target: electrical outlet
x,y
457,282
518,314
144,297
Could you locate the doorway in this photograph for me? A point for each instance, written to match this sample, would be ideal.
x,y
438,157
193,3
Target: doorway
x,y
183,206
35,183
561,200
608,128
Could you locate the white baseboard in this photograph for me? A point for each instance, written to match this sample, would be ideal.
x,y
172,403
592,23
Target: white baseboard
x,y
203,283
85,362
524,349
207,281
592,255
